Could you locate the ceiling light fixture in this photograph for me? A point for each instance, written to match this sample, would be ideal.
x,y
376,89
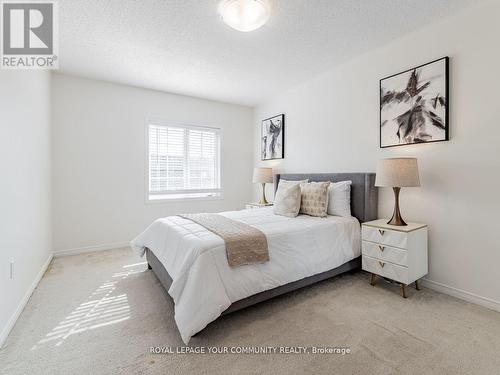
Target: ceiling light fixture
x,y
245,15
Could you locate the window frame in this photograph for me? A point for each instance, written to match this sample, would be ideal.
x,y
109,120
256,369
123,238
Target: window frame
x,y
180,195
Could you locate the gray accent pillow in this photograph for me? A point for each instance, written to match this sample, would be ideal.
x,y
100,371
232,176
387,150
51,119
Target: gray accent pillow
x,y
339,198
287,199
314,199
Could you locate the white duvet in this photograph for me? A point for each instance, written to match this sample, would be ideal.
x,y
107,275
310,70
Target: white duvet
x,y
203,283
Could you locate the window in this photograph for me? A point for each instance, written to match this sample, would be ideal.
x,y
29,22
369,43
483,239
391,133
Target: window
x,y
184,162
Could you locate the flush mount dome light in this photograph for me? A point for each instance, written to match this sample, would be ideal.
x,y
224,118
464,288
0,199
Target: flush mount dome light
x,y
244,15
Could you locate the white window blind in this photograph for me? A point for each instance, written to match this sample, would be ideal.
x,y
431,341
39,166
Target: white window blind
x,y
184,161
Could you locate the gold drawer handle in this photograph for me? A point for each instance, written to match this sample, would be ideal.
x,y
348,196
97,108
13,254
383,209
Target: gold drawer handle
x,y
382,248
381,232
382,264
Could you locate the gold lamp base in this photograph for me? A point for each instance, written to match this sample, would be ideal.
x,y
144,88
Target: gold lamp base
x,y
263,200
396,216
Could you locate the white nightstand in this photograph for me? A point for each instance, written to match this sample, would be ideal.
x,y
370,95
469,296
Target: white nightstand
x,y
397,253
256,205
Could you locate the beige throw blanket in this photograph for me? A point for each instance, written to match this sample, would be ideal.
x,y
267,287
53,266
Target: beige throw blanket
x,y
244,243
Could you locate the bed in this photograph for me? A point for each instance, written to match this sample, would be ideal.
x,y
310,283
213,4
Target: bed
x,y
191,264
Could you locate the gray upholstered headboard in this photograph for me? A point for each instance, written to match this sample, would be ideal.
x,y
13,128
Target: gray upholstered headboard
x,y
364,194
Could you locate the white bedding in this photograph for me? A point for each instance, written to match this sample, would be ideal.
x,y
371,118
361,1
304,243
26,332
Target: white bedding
x,y
203,283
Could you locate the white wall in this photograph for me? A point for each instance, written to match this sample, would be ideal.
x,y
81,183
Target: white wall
x,y
25,197
332,125
99,158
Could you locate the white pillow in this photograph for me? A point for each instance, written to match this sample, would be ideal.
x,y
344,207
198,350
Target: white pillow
x,y
287,199
339,198
294,182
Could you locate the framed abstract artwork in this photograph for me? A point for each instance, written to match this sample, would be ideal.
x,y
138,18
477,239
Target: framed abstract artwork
x,y
273,138
414,105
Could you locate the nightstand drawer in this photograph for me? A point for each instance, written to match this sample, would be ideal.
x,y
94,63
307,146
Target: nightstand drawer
x,y
386,269
249,206
385,237
385,253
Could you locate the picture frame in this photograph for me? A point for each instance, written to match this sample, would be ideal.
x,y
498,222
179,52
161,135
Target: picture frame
x,y
273,138
414,105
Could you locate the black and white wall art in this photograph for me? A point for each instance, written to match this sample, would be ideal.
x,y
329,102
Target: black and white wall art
x,y
273,138
414,105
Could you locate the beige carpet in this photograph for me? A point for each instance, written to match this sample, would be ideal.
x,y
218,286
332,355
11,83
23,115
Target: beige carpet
x,y
100,313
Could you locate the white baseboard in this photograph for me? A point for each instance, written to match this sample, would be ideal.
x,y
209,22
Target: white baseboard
x,y
90,249
13,319
462,294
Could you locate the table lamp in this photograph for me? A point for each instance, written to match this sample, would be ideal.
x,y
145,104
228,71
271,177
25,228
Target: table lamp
x,y
263,176
397,173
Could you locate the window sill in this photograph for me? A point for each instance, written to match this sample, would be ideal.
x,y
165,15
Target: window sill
x,y
182,198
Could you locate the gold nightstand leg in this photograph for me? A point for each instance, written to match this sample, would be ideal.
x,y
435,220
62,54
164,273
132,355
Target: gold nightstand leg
x,y
417,285
403,290
373,278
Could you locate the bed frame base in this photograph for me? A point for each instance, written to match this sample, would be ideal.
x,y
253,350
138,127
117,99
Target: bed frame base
x,y
165,279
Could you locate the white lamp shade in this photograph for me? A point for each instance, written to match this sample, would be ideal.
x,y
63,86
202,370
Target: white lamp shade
x,y
263,175
397,172
245,15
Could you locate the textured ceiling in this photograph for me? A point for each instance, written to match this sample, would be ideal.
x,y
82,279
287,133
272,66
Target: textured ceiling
x,y
182,46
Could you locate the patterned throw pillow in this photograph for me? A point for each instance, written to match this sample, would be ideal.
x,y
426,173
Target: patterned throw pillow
x,y
314,201
287,199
